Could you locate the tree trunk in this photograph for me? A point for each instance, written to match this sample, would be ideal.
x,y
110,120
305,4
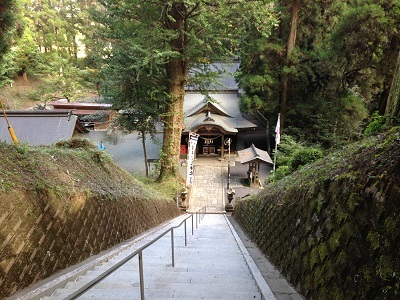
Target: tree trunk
x,y
289,49
143,136
390,54
393,103
177,71
173,120
25,75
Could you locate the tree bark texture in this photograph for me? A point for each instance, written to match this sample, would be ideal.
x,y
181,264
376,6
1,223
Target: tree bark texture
x,y
143,136
289,49
393,103
177,71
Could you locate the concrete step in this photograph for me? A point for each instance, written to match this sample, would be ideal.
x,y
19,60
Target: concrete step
x,y
211,266
211,286
150,271
200,262
115,297
189,278
224,292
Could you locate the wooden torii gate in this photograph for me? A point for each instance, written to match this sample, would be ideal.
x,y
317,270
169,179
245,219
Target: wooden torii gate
x,y
254,157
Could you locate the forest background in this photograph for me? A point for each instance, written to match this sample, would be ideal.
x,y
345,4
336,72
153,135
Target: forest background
x,y
329,67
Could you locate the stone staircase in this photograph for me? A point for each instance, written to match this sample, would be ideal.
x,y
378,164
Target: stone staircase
x,y
213,265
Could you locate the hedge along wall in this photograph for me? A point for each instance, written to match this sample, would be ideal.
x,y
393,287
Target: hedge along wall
x,y
333,228
41,235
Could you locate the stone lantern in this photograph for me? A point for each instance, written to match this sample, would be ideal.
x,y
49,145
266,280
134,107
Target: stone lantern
x,y
184,193
229,206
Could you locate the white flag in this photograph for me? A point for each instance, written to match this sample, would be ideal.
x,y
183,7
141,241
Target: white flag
x,y
278,130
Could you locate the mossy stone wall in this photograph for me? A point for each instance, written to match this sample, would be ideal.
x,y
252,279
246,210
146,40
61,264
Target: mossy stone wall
x,y
41,234
333,228
58,206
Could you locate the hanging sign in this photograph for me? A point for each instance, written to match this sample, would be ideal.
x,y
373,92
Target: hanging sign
x,y
193,137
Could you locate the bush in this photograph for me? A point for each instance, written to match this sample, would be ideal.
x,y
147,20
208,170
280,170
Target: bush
x,y
292,155
281,172
76,143
378,124
305,156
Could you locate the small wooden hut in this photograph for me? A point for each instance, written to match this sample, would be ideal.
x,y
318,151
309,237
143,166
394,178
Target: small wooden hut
x,y
254,157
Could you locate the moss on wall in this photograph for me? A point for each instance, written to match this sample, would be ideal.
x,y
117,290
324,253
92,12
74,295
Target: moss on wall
x,y
333,228
60,206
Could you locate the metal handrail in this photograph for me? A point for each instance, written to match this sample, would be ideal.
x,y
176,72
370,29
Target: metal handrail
x,y
199,216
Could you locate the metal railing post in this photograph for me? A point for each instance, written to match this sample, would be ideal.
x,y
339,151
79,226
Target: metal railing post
x,y
139,252
141,275
172,247
185,234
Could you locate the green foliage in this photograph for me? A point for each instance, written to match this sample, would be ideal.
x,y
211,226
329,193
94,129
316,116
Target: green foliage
x,y
26,54
76,143
7,19
47,43
8,69
251,104
280,172
287,148
146,73
341,68
380,123
291,156
305,156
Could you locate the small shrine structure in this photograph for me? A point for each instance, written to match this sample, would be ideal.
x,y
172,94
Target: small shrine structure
x,y
254,157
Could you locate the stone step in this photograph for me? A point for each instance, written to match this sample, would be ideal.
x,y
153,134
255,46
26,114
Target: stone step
x,y
182,256
212,286
220,292
189,278
211,266
230,297
148,271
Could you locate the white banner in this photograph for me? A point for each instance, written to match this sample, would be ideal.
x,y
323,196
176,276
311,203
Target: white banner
x,y
193,137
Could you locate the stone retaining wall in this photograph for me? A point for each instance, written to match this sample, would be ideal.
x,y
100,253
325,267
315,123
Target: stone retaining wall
x,y
42,234
333,228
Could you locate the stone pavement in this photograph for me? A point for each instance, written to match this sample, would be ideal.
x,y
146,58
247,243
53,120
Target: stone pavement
x,y
211,266
209,189
211,182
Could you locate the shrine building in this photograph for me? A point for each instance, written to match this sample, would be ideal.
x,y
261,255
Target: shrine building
x,y
215,116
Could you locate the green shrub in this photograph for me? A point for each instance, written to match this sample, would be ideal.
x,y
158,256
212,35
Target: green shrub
x,y
76,143
281,172
291,155
305,156
378,124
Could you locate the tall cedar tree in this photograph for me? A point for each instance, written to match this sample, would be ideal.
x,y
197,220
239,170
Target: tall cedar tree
x,y
393,103
171,37
342,64
6,22
291,42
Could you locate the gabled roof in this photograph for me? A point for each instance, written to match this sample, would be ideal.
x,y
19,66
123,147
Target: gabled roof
x,y
208,105
224,107
207,119
40,127
222,101
253,154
